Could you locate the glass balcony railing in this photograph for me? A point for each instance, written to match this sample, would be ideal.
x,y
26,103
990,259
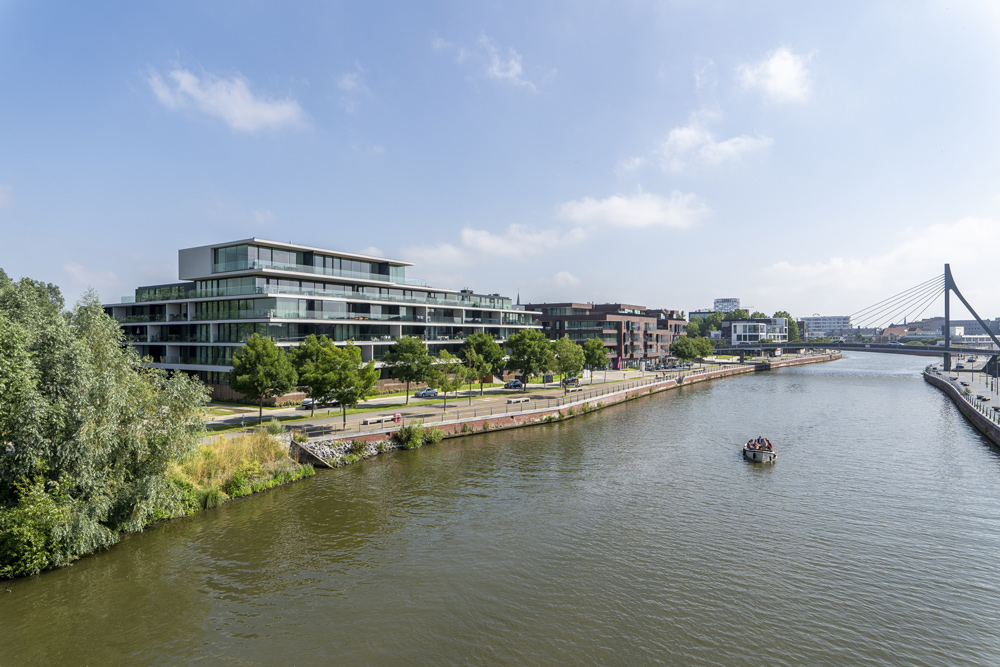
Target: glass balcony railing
x,y
463,301
258,264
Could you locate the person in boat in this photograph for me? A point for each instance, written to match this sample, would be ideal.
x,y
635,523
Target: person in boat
x,y
768,444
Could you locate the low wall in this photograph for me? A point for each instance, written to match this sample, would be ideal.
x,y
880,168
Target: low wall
x,y
979,415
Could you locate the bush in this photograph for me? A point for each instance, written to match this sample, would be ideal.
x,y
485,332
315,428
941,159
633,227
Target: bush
x,y
433,435
410,436
274,427
357,447
212,497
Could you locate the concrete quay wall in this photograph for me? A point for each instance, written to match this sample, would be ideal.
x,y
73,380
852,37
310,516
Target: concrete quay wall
x,y
566,408
982,416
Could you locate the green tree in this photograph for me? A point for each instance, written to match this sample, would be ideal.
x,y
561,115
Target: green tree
x,y
261,370
314,361
694,327
408,361
687,348
353,381
569,357
757,315
530,353
490,356
736,314
448,374
596,356
793,327
87,431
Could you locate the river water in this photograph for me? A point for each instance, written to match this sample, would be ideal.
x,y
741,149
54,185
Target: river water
x,y
634,535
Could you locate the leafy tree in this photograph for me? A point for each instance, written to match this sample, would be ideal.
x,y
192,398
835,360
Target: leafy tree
x,y
87,431
490,355
756,315
408,361
313,360
687,348
353,381
448,375
476,368
735,314
530,353
596,356
793,327
569,357
694,327
261,370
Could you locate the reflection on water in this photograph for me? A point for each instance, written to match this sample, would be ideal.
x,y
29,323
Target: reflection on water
x,y
633,535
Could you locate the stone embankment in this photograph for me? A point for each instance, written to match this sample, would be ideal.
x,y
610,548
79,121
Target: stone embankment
x,y
979,413
334,452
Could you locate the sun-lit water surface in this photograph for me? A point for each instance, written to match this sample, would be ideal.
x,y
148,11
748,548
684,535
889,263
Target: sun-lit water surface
x,y
635,535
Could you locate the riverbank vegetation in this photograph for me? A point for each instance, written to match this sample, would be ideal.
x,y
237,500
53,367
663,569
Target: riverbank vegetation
x,y
87,431
231,468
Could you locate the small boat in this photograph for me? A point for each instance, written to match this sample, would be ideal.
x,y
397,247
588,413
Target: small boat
x,y
760,450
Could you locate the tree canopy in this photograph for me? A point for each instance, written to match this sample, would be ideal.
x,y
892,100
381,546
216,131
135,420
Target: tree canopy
x,y
86,430
484,354
261,370
569,357
408,361
595,355
315,362
353,381
530,353
448,375
687,348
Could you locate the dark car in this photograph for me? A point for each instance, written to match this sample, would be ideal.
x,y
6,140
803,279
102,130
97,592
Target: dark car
x,y
571,382
513,384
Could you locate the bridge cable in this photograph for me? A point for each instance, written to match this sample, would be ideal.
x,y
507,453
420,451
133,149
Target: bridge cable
x,y
899,305
901,294
891,313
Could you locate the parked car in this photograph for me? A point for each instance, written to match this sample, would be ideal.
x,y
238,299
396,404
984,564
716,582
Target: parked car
x,y
426,392
513,384
307,404
960,367
571,382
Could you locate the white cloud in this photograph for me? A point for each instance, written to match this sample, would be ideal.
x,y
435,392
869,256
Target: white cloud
x,y
565,279
6,196
644,209
696,144
352,88
230,100
96,278
781,77
504,67
704,75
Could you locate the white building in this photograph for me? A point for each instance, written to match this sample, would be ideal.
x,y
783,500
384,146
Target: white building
x,y
725,305
287,292
751,332
819,326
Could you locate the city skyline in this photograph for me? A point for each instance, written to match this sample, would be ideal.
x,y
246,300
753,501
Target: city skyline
x,y
809,159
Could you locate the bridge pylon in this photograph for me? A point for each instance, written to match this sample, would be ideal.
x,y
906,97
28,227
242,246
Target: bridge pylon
x,y
949,287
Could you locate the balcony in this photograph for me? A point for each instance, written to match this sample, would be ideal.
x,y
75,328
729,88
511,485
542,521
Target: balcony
x,y
260,264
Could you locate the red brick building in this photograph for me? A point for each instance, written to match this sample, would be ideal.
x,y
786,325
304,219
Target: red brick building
x,y
631,334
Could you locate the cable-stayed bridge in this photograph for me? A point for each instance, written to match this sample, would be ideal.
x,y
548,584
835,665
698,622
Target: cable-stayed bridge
x,y
908,304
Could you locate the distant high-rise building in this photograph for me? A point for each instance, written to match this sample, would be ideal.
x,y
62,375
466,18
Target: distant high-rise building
x,y
725,305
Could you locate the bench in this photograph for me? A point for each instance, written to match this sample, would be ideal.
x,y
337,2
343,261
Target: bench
x,y
519,399
378,419
572,389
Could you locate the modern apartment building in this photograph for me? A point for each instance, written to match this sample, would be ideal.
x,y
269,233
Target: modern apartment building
x,y
632,335
743,332
818,326
725,305
287,292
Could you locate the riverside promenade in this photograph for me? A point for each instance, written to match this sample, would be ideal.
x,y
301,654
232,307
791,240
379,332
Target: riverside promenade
x,y
503,410
976,394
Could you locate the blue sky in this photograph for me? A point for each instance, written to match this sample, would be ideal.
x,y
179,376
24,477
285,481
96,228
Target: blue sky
x,y
814,157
